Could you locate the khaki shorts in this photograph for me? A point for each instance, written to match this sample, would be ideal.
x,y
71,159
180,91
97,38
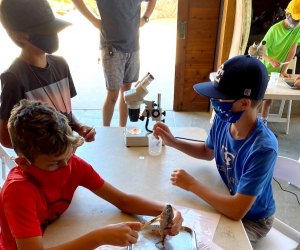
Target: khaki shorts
x,y
119,67
257,229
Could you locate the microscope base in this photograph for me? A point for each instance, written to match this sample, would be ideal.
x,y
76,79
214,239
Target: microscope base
x,y
138,139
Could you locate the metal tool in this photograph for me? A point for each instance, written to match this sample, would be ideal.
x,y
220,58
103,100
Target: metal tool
x,y
281,64
150,222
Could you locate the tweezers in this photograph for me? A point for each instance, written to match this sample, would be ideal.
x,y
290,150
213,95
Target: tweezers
x,y
150,222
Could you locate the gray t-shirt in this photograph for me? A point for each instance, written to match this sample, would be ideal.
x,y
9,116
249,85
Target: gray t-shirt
x,y
120,24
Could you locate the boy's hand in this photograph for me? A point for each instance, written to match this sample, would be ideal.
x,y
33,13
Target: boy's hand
x,y
182,179
161,130
88,133
285,75
274,63
297,81
176,224
122,234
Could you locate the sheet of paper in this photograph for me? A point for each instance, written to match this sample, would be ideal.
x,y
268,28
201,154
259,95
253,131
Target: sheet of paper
x,y
203,223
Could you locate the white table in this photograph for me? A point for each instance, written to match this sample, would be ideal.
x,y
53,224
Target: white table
x,y
279,92
131,169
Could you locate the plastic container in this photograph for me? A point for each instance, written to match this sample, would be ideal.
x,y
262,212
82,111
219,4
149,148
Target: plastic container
x,y
154,145
274,79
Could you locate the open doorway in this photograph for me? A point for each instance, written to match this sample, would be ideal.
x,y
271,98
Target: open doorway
x,y
79,44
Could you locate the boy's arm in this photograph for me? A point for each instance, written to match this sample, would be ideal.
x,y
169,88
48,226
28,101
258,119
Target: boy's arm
x,y
129,203
138,205
88,133
269,38
272,61
81,6
148,11
290,56
121,234
197,150
234,207
4,135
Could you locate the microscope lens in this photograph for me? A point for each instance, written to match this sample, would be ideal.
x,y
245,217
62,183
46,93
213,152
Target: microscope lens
x,y
134,114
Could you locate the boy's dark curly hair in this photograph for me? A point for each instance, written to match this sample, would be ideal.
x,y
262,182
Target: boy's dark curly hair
x,y
36,128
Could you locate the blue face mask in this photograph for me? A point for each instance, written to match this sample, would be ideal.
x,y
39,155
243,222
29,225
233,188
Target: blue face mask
x,y
224,111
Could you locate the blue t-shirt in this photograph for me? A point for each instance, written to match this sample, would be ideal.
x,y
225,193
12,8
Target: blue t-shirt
x,y
120,24
246,166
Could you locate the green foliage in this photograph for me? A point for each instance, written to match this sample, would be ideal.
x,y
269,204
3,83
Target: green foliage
x,y
63,6
163,8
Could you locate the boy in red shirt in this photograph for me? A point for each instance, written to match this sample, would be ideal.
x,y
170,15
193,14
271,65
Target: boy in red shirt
x,y
40,188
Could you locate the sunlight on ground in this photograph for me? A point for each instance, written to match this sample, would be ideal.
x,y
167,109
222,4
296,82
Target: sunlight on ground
x,y
79,45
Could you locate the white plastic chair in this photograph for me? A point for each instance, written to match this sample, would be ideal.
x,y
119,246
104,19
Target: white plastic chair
x,y
7,162
288,169
280,237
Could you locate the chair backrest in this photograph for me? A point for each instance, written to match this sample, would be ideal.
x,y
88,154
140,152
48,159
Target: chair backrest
x,y
288,170
292,66
6,162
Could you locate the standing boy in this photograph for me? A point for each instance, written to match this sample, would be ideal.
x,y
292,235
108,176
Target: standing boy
x,y
281,44
245,150
119,25
36,75
40,188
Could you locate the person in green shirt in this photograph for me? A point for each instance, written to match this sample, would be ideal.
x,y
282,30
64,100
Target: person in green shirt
x,y
281,44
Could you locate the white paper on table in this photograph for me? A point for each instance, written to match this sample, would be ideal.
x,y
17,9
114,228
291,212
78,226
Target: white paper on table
x,y
203,223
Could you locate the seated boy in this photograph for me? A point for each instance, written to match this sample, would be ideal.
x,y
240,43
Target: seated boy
x,y
35,75
47,174
244,149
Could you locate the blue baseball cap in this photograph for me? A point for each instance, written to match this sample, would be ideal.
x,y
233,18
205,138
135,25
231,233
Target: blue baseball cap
x,y
239,77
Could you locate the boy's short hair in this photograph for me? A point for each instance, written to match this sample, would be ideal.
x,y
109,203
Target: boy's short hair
x,y
36,128
239,77
30,16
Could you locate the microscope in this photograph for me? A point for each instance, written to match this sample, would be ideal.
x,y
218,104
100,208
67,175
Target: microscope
x,y
257,50
134,98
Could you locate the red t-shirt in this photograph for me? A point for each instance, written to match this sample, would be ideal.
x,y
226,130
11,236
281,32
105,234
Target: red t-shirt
x,y
27,206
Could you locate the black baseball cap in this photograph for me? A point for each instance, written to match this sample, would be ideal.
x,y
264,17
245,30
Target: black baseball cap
x,y
239,77
31,16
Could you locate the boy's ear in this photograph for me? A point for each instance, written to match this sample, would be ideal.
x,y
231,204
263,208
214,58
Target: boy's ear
x,y
246,103
19,37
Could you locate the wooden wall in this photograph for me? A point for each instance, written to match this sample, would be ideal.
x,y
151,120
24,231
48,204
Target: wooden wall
x,y
195,56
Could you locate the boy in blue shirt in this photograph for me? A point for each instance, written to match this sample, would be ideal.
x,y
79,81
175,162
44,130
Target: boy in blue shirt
x,y
244,149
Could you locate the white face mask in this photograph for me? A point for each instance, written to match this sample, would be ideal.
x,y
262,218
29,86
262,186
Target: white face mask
x,y
291,23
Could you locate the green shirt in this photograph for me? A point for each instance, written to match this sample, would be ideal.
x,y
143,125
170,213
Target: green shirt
x,y
279,41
